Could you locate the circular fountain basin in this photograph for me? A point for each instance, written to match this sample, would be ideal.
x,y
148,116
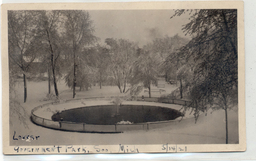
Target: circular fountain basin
x,y
112,114
102,116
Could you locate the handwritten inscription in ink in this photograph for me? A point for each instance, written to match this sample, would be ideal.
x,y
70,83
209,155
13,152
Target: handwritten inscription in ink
x,y
27,138
173,148
128,149
95,149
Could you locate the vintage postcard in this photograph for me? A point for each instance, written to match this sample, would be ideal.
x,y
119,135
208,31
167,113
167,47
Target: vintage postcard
x,y
132,77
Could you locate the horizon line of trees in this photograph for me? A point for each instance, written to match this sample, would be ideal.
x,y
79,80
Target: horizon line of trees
x,y
64,43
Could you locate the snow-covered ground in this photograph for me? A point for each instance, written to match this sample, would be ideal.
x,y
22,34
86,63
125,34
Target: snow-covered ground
x,y
209,129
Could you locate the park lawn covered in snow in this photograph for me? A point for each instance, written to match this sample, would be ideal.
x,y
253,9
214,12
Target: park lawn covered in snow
x,y
208,129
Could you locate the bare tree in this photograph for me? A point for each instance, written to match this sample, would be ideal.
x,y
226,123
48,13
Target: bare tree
x,y
16,109
166,48
51,23
123,56
146,69
79,33
98,57
23,40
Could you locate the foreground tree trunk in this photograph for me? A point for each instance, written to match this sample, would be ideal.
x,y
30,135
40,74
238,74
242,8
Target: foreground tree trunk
x,y
54,77
225,103
25,87
49,81
74,81
55,83
226,120
53,63
181,96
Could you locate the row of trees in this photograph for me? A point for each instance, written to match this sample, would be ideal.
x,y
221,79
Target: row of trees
x,y
55,38
63,43
205,66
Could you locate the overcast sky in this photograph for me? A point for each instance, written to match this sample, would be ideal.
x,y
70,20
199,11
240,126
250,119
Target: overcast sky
x,y
140,26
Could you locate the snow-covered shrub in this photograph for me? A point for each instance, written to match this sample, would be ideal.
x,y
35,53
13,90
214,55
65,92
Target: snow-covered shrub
x,y
50,97
124,122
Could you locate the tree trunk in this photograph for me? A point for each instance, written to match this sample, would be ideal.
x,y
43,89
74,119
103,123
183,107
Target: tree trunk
x,y
124,87
226,120
100,80
181,96
55,84
53,65
120,89
149,91
166,76
54,79
74,81
25,87
49,81
224,96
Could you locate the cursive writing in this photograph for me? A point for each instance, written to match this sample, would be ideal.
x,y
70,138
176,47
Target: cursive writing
x,y
27,138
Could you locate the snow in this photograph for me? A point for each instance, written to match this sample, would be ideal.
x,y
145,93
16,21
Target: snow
x,y
208,129
48,110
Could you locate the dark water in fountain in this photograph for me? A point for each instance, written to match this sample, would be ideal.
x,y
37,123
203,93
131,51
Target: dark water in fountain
x,y
110,115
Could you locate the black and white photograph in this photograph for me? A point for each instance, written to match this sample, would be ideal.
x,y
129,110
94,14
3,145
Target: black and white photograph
x,y
120,80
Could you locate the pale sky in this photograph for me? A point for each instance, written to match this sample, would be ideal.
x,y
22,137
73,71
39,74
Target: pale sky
x,y
140,26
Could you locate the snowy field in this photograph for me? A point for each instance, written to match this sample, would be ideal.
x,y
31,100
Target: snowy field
x,y
209,129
